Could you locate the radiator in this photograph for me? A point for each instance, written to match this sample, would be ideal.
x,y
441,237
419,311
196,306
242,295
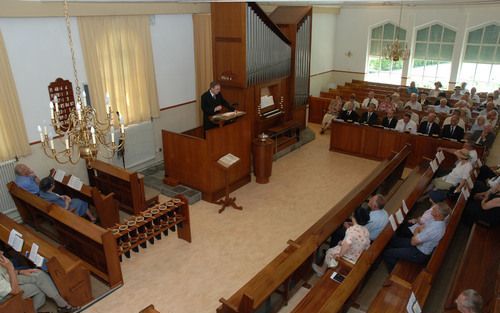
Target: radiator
x,y
7,205
139,145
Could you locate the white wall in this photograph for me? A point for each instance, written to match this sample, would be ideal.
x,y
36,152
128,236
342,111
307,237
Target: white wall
x,y
354,23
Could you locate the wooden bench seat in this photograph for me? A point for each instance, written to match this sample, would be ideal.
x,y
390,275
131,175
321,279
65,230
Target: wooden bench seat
x,y
95,246
106,206
128,188
285,134
477,268
294,263
67,271
16,304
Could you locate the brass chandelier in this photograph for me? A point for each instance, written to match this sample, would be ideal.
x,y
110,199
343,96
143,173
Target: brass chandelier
x,y
85,136
396,50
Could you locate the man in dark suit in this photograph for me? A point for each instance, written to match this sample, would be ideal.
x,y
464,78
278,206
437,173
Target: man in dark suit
x,y
349,114
483,137
212,103
369,117
390,121
452,130
430,127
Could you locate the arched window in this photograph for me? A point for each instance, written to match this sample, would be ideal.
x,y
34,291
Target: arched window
x,y
379,68
432,55
481,62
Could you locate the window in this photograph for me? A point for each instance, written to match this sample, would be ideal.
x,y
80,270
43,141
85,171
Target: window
x,y
432,55
481,62
379,68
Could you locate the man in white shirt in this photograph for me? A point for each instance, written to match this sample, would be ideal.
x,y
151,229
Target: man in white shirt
x,y
459,173
406,124
457,95
413,103
355,104
370,100
473,96
442,107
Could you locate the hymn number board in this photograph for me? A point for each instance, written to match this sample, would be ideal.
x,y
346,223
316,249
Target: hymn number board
x,y
63,89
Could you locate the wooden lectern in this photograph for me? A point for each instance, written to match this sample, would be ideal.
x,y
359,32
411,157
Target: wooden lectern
x,y
226,163
191,157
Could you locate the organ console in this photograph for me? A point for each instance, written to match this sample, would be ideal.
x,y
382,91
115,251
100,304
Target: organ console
x,y
256,55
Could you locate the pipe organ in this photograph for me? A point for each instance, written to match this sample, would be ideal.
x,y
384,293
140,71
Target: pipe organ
x,y
260,63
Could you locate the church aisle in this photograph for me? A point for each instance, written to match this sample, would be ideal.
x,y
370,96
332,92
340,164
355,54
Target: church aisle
x,y
229,248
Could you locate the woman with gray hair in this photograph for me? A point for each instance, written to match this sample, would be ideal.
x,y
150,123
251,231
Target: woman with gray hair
x,y
469,301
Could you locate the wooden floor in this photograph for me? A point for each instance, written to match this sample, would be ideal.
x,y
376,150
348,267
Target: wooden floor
x,y
229,248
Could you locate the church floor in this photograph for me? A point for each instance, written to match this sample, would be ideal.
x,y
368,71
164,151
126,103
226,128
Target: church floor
x,y
228,249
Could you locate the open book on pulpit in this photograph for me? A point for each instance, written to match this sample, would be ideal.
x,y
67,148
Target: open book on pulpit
x,y
228,160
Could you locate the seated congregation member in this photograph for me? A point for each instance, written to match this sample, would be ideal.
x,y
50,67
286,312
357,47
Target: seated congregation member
x,y
463,106
369,100
77,206
490,106
483,137
411,89
457,113
492,118
457,176
355,241
396,102
407,229
34,283
352,100
332,112
489,98
453,130
26,178
423,100
386,104
406,124
463,87
430,126
467,147
478,124
430,110
485,208
474,97
390,120
442,107
369,117
378,219
466,98
437,90
349,114
457,95
413,103
419,247
496,97
469,301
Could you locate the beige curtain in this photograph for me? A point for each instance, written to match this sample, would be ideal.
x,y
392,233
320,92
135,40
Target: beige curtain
x,y
202,29
119,60
13,137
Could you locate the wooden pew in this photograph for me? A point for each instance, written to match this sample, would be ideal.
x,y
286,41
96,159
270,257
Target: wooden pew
x,y
476,269
106,206
16,304
128,188
329,296
409,277
95,246
294,263
378,143
70,276
149,309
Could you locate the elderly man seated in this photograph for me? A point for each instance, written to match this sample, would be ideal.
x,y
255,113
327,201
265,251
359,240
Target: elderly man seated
x,y
484,137
26,178
463,106
453,130
396,101
457,176
349,114
34,283
420,246
413,103
369,117
406,124
352,100
442,107
457,95
77,206
490,106
370,100
457,113
390,120
492,118
474,96
478,124
469,301
430,126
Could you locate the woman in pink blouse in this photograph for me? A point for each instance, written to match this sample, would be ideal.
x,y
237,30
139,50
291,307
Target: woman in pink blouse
x,y
386,105
356,240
